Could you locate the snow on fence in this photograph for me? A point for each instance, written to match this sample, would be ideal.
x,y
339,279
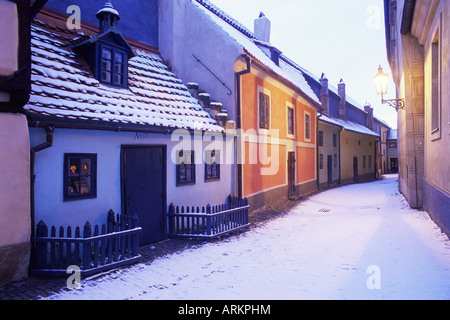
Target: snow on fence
x,y
113,245
210,221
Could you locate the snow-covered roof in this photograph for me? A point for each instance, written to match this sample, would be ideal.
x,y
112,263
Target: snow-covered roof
x,y
392,134
64,87
247,40
332,88
348,125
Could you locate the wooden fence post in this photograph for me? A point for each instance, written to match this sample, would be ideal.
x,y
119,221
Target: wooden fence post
x,y
246,211
135,244
87,232
171,218
111,221
41,247
208,220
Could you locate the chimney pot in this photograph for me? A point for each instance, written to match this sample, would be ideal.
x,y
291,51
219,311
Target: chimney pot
x,y
343,101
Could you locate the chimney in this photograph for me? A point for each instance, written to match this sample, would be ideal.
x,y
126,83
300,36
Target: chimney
x,y
108,17
369,120
343,101
324,95
262,28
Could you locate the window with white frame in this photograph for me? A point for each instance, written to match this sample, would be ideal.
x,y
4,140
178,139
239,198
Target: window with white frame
x,y
290,120
307,126
436,72
264,105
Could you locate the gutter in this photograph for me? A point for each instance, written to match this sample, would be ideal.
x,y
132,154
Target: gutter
x,y
239,119
407,18
35,120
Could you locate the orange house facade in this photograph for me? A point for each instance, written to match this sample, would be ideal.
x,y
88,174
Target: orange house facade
x,y
277,139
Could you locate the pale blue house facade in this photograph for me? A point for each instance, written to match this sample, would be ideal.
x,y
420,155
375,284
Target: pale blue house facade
x,y
112,128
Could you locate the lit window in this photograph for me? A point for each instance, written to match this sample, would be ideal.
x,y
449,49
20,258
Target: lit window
x,y
80,176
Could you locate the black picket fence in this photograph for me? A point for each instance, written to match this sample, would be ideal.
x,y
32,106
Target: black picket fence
x,y
208,222
97,249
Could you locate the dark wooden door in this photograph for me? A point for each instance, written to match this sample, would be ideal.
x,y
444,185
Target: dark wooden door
x,y
143,189
291,174
394,165
330,169
355,168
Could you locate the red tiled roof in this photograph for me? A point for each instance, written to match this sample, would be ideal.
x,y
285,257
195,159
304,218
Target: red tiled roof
x,y
63,87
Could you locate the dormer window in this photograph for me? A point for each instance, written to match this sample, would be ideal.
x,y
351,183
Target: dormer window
x,y
113,66
107,53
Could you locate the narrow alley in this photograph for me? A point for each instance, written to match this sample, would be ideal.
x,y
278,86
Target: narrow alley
x,y
359,241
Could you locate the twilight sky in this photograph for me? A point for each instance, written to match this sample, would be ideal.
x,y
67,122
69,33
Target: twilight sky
x,y
341,38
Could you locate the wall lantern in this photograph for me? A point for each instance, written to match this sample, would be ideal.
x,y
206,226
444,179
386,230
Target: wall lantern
x,y
381,83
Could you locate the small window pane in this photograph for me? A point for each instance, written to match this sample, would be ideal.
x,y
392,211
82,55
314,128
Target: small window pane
x,y
118,79
106,53
106,76
118,57
74,166
85,185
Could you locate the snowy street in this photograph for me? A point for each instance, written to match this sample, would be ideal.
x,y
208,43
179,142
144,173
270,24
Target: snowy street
x,y
359,241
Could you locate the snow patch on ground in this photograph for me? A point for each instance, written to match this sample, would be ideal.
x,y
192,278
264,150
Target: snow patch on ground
x,y
323,249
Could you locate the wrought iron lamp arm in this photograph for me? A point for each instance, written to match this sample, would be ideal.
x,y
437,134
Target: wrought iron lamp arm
x,y
397,104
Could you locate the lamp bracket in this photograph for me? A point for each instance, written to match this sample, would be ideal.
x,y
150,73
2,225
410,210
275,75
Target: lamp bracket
x,y
397,104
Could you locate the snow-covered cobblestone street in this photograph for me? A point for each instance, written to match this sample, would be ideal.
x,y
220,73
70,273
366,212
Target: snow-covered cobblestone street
x,y
359,241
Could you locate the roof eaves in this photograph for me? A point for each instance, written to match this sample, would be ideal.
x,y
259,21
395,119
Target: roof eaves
x,y
284,80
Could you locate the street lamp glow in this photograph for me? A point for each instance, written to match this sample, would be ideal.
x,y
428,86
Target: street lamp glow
x,y
381,81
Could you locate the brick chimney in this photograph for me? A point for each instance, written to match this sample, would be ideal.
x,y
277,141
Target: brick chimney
x,y
369,119
343,101
324,95
262,28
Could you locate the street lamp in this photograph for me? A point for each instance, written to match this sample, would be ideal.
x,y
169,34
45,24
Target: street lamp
x,y
381,83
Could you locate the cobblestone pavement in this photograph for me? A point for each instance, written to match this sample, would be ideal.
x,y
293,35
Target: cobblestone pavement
x,y
36,287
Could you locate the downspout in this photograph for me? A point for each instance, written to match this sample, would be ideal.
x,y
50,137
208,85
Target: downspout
x,y
47,144
340,157
239,120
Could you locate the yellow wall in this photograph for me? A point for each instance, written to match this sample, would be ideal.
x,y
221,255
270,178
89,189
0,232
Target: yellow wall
x,y
357,145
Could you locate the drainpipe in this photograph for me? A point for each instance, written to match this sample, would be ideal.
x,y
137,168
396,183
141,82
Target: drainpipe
x,y
238,118
47,144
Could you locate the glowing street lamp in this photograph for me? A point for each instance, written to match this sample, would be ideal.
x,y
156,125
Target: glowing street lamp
x,y
381,80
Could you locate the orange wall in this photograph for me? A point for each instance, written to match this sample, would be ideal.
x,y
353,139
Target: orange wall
x,y
306,157
307,170
254,181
